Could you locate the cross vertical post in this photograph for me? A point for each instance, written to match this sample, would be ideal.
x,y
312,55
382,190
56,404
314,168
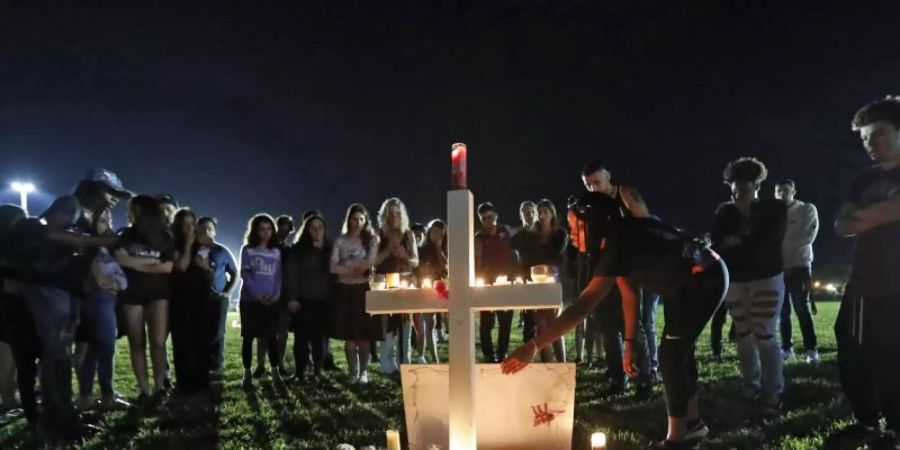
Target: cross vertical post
x,y
460,206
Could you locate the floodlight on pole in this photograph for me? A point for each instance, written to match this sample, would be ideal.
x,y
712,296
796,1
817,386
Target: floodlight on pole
x,y
23,189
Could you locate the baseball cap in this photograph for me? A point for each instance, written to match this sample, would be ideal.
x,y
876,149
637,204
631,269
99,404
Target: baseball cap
x,y
108,179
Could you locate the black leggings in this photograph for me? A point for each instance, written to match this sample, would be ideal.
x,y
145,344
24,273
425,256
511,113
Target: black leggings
x,y
686,314
504,318
247,351
191,338
303,342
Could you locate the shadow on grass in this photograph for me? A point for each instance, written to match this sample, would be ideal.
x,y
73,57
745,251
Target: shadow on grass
x,y
813,405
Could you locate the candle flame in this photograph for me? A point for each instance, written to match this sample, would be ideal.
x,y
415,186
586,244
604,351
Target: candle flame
x,y
598,440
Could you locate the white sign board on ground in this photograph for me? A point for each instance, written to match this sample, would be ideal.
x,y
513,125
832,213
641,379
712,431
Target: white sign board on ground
x,y
531,410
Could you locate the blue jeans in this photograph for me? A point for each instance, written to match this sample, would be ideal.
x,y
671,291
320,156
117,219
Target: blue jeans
x,y
99,311
53,312
648,324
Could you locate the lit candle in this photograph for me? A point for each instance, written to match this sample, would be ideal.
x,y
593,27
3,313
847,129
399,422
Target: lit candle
x,y
393,280
501,280
479,282
458,159
427,283
598,441
520,280
393,439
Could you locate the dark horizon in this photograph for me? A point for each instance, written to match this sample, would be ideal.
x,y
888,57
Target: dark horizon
x,y
281,109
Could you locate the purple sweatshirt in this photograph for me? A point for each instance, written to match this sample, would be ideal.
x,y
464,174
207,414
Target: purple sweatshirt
x,y
261,272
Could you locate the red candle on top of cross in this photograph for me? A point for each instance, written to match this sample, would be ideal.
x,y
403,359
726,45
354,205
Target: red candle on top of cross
x,y
458,160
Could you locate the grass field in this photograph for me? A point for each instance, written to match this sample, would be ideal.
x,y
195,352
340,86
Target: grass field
x,y
279,416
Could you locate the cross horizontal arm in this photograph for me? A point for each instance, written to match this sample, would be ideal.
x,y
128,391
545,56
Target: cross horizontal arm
x,y
404,301
516,296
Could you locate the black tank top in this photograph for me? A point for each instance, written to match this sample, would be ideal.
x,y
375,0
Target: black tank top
x,y
392,264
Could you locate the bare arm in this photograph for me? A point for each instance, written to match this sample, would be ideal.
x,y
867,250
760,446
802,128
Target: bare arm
x,y
336,267
183,259
630,307
131,262
595,292
847,222
634,201
158,267
232,272
77,240
876,215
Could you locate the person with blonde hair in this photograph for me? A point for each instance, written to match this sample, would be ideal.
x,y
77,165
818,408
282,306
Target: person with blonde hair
x,y
397,253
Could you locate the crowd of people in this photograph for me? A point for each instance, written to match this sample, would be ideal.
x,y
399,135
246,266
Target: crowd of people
x,y
72,285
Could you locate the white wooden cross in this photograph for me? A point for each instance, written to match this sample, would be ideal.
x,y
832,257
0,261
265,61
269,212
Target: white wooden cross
x,y
465,300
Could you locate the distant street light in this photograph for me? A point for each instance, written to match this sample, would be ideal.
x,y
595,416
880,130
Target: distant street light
x,y
23,189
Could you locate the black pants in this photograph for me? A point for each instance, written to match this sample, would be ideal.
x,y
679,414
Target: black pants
x,y
687,311
612,324
284,321
25,344
247,351
504,320
528,326
303,343
217,317
868,340
191,335
715,330
797,283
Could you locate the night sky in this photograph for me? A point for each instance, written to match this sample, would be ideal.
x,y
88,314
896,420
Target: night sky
x,y
276,108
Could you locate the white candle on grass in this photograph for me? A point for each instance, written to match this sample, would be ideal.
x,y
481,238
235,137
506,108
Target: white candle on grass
x,y
393,439
598,441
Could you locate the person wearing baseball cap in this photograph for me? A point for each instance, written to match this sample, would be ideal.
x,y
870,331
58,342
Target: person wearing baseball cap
x,y
70,223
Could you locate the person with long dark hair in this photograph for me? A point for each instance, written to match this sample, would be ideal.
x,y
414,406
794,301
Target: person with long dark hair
x,y
310,289
549,248
99,318
261,271
493,257
146,253
433,265
352,260
640,251
190,307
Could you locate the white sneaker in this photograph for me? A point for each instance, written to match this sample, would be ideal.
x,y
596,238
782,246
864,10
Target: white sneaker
x,y
787,354
812,357
364,378
352,379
